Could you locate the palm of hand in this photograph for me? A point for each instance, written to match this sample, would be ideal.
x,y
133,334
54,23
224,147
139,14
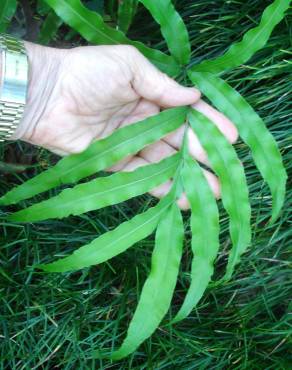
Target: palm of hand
x,y
94,96
99,89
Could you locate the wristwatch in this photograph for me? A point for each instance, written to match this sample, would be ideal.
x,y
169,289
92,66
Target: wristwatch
x,y
13,84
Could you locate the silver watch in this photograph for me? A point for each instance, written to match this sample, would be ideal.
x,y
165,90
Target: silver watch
x,y
13,84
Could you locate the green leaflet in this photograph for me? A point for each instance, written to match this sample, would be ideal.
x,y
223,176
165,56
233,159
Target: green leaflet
x,y
101,154
42,7
173,28
255,39
92,27
227,166
7,10
252,129
101,192
205,234
49,28
158,289
113,242
126,12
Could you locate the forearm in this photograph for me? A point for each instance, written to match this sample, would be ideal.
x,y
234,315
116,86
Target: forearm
x,y
0,68
42,70
43,64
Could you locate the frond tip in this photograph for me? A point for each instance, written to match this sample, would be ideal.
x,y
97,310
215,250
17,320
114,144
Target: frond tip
x,y
154,300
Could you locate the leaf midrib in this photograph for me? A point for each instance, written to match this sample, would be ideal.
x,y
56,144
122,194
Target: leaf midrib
x,y
143,324
104,35
115,241
118,145
257,117
3,10
219,61
206,232
65,4
86,197
232,188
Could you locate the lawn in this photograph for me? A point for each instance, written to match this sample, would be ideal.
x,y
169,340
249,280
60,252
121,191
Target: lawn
x,y
52,321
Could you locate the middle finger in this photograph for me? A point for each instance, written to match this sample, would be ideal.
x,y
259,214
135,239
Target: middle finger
x,y
227,128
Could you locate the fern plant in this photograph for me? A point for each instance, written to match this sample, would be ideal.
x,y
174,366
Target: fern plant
x,y
156,295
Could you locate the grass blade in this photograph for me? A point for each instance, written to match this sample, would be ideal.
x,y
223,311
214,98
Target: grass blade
x,y
49,28
253,131
158,289
228,168
100,155
205,234
255,39
7,10
101,192
42,7
126,12
92,27
173,28
113,242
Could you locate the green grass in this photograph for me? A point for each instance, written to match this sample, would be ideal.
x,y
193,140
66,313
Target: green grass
x,y
54,320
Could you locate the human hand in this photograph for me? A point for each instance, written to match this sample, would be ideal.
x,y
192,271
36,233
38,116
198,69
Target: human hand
x,y
80,95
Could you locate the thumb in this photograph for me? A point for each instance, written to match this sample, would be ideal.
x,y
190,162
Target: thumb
x,y
153,85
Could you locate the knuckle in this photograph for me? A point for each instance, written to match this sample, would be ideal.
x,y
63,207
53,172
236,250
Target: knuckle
x,y
130,50
79,147
158,91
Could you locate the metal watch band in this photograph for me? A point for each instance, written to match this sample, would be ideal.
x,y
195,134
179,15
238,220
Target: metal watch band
x,y
13,84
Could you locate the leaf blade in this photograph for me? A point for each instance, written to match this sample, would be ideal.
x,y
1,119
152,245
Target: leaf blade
x,y
7,10
92,27
205,234
113,242
49,28
172,28
100,155
253,40
101,192
154,301
253,131
227,166
126,12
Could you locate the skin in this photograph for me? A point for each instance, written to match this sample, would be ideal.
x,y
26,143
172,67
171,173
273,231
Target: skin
x,y
83,94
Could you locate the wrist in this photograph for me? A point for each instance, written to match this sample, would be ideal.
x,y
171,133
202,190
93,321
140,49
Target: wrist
x,y
44,64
